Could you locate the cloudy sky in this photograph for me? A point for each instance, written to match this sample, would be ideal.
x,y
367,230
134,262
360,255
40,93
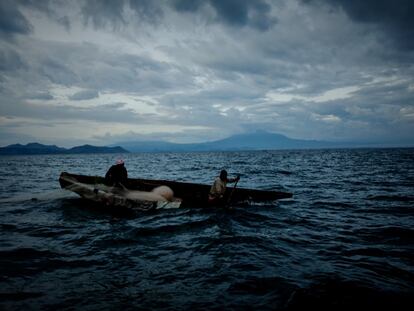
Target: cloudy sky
x,y
102,71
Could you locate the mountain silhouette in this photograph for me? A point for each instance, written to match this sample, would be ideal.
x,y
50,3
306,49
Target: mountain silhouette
x,y
259,140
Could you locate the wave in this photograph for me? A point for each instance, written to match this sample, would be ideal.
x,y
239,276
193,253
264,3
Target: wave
x,y
24,253
30,261
373,252
332,204
390,210
20,295
131,236
39,196
393,234
247,216
394,198
331,292
284,172
264,285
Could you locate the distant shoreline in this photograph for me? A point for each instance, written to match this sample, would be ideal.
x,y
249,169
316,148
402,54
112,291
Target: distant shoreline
x,y
40,149
207,151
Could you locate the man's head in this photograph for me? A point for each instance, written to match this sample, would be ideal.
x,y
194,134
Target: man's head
x,y
223,175
119,162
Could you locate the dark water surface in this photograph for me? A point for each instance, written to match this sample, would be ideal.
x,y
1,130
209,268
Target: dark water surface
x,y
345,240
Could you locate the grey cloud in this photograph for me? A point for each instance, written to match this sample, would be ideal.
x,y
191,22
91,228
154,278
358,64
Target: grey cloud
x,y
101,113
106,12
187,136
125,72
40,96
58,72
395,17
237,13
232,12
87,67
391,93
238,63
119,78
8,136
52,8
12,21
187,5
244,12
253,13
102,12
376,109
84,95
40,5
10,60
201,110
147,10
65,22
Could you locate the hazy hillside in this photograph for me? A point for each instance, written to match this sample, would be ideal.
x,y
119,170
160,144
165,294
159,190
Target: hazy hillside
x,y
251,141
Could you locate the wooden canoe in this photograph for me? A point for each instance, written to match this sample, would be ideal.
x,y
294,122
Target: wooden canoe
x,y
191,194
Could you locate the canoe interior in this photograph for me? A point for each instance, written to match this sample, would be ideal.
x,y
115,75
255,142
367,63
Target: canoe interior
x,y
190,193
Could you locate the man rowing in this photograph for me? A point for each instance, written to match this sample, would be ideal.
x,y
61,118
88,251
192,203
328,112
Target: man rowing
x,y
218,189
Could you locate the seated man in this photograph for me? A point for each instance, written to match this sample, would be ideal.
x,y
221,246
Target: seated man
x,y
117,175
218,189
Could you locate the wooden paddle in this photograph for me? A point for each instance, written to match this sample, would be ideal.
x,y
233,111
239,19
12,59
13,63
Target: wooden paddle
x,y
232,191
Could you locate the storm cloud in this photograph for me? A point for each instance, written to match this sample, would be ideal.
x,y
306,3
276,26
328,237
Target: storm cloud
x,y
205,69
255,14
12,20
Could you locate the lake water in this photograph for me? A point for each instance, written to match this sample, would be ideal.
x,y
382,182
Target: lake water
x,y
345,239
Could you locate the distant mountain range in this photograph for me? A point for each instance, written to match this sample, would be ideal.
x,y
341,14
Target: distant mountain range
x,y
36,148
259,140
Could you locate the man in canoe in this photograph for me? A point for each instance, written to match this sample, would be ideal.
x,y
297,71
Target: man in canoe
x,y
117,175
218,189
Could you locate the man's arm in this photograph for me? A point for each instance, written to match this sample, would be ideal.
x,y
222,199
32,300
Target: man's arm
x,y
231,180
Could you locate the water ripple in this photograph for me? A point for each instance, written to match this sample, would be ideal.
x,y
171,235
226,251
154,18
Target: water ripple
x,y
345,240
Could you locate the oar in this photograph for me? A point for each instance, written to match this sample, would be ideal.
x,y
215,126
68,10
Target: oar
x,y
232,191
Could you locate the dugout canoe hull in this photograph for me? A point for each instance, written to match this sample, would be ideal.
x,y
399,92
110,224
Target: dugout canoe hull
x,y
192,194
